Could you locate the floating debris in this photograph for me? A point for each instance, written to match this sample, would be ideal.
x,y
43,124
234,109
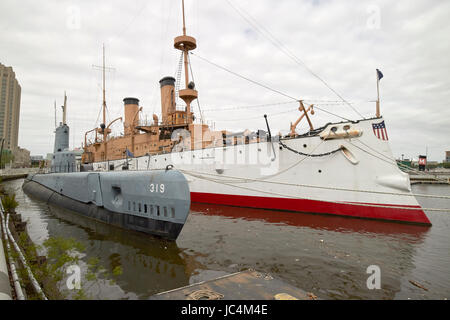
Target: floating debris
x,y
418,285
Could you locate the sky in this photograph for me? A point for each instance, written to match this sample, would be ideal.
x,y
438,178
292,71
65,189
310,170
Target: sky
x,y
317,50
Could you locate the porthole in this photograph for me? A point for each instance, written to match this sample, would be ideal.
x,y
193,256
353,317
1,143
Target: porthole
x,y
320,171
304,146
333,129
346,127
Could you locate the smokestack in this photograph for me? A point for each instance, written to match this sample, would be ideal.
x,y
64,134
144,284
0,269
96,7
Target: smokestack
x,y
167,97
131,119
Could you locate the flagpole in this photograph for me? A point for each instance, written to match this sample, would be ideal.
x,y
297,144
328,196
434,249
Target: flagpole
x,y
378,94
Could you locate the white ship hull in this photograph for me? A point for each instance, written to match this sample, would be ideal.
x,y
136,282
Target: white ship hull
x,y
364,181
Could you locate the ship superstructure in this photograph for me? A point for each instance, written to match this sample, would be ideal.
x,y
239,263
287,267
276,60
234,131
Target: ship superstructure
x,y
344,168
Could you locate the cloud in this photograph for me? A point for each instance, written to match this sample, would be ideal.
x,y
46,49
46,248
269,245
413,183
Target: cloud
x,y
52,46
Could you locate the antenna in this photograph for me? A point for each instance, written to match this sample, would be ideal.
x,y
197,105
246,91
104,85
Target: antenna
x,y
55,113
65,108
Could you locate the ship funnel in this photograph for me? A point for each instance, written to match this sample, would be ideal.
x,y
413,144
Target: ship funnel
x,y
131,118
167,97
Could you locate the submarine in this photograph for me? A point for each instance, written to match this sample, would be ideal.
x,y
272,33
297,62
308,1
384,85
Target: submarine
x,y
155,202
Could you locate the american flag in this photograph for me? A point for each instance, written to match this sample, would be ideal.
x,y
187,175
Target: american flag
x,y
379,130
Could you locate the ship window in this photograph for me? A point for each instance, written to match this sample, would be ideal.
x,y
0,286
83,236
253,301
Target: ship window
x,y
151,209
157,211
173,212
165,211
145,208
139,206
134,206
129,205
346,127
334,129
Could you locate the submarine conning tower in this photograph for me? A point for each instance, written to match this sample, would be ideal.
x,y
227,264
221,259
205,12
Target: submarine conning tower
x,y
63,160
131,106
62,132
61,138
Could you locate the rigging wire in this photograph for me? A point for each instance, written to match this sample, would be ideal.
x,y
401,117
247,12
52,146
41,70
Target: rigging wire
x,y
259,116
262,85
284,49
226,108
245,78
198,103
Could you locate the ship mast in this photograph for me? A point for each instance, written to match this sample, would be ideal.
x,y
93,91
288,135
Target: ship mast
x,y
104,98
185,44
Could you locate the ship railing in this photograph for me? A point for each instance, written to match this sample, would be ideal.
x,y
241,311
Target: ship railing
x,y
64,168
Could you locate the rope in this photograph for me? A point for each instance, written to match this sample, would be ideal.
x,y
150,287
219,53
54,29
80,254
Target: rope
x,y
329,201
309,155
321,187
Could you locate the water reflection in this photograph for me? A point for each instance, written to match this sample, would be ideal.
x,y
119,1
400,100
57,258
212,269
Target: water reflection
x,y
315,221
149,264
322,254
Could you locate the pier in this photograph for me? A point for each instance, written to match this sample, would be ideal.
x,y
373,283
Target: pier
x,y
433,177
12,174
244,285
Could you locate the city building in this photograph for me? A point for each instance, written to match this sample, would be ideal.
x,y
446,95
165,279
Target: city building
x,y
22,158
10,91
447,156
36,160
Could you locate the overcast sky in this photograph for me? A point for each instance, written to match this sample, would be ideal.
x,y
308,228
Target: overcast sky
x,y
52,46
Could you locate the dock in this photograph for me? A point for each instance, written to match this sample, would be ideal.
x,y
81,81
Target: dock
x,y
430,178
244,285
13,174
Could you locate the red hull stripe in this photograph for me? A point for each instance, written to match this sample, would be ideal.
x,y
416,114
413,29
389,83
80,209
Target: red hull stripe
x,y
314,206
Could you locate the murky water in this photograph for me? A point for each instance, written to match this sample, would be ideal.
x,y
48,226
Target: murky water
x,y
324,255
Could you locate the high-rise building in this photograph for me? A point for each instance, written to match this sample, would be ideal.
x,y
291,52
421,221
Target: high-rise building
x,y
447,156
10,91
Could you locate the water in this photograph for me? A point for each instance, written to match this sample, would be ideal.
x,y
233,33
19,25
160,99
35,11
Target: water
x,y
325,255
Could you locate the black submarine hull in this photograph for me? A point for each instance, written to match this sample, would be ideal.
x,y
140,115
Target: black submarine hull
x,y
151,224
